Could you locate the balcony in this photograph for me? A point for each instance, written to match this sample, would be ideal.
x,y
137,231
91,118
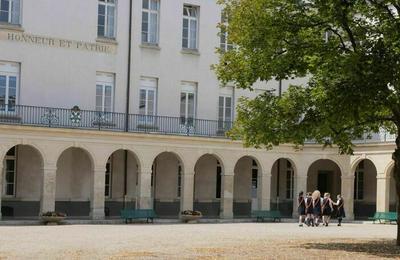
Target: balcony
x,y
109,121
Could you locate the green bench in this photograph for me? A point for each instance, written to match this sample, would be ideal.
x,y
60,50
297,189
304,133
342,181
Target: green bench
x,y
261,215
131,214
384,217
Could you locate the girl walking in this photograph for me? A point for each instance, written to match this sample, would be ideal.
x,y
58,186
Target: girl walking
x,y
340,209
309,210
301,208
317,203
327,209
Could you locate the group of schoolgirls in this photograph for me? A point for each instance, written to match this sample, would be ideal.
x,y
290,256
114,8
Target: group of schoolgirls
x,y
312,209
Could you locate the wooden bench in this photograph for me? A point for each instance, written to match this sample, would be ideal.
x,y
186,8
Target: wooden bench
x,y
384,217
131,214
261,215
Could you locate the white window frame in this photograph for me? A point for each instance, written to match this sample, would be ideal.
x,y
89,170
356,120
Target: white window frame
x,y
290,180
108,186
149,12
14,158
103,80
188,88
359,170
10,69
147,85
225,45
107,3
11,13
189,19
223,123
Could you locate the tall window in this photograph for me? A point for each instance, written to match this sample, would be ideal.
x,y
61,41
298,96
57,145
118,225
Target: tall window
x,y
190,27
254,179
219,181
104,92
106,18
225,44
10,11
188,103
108,181
289,180
224,112
359,182
150,21
148,98
9,79
10,172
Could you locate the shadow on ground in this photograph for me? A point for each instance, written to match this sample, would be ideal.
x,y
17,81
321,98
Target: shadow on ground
x,y
379,248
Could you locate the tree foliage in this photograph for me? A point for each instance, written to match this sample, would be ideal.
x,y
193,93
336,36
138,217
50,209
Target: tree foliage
x,y
348,49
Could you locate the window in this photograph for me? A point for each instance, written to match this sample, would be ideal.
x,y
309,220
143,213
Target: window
x,y
108,184
289,180
9,80
190,27
359,182
104,92
225,44
10,11
148,99
106,18
188,103
224,112
219,181
179,181
10,172
150,21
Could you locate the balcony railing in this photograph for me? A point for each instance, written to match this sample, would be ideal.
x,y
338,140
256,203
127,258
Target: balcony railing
x,y
110,121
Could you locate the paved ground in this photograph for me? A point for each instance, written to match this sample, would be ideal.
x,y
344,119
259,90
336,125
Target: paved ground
x,y
198,241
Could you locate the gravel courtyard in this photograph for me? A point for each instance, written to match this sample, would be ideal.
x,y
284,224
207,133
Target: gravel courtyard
x,y
198,241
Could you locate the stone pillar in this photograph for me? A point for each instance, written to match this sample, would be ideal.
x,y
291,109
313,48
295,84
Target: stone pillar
x,y
300,184
348,195
1,184
264,191
382,192
48,189
144,198
97,198
227,195
187,187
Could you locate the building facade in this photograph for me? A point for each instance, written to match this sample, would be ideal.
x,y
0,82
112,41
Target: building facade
x,y
106,104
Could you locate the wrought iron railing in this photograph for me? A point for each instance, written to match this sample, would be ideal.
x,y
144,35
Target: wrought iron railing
x,y
110,121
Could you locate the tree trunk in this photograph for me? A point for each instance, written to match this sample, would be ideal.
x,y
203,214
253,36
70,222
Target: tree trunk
x,y
396,175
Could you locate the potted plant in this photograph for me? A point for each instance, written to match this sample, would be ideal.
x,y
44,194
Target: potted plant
x,y
52,217
190,216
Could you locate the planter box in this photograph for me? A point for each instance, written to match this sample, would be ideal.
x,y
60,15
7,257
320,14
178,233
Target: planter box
x,y
50,220
191,218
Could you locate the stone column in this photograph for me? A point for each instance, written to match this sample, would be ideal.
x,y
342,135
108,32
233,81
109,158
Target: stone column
x,y
1,184
227,195
97,198
382,192
144,199
264,191
300,184
48,189
187,187
348,195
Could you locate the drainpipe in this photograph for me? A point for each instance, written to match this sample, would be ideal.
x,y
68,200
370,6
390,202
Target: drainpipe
x,y
128,92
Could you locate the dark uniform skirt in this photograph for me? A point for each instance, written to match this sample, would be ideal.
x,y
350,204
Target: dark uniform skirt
x,y
317,208
327,211
302,210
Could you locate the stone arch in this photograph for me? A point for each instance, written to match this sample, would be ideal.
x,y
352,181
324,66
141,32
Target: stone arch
x,y
392,201
247,173
74,177
365,187
325,174
22,166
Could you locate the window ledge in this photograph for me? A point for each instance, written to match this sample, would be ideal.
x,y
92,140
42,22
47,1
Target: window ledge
x,y
107,40
11,27
191,51
150,46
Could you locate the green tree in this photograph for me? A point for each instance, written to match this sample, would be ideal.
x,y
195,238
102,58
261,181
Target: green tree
x,y
348,49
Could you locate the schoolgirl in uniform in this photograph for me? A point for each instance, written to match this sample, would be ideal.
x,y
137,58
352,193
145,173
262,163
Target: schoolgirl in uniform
x,y
317,203
301,208
327,209
340,209
309,210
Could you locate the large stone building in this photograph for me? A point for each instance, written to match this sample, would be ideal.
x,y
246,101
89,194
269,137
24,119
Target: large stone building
x,y
69,142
